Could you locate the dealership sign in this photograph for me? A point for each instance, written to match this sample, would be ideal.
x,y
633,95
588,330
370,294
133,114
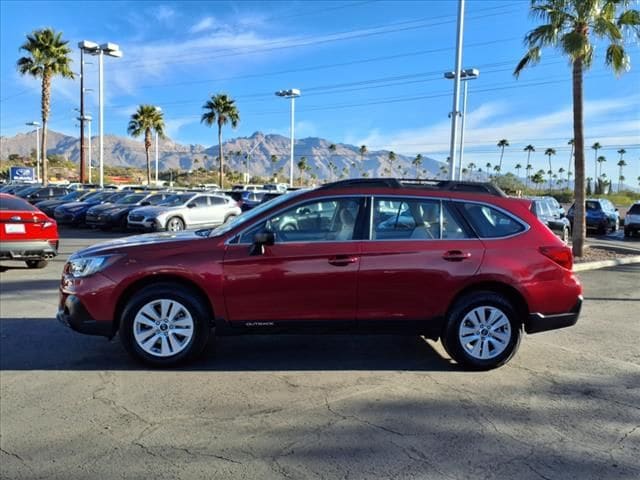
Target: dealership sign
x,y
22,174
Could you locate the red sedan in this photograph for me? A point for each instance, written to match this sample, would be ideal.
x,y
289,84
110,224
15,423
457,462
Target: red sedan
x,y
26,233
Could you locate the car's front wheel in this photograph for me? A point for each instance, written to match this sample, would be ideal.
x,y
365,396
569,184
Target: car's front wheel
x,y
164,325
175,224
566,235
482,331
616,225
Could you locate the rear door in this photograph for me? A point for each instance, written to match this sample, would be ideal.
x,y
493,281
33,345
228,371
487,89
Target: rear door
x,y
419,253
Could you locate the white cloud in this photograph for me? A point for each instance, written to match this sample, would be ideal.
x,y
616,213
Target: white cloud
x,y
164,13
207,23
173,125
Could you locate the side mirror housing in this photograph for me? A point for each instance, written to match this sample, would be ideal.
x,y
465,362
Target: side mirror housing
x,y
259,241
191,205
145,204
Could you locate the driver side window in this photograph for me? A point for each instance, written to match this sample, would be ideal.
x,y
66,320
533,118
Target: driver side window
x,y
316,221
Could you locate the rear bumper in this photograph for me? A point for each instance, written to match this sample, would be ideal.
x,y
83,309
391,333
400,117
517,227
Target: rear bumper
x,y
28,249
538,322
73,314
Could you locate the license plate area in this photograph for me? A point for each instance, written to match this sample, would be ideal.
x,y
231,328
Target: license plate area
x,y
14,228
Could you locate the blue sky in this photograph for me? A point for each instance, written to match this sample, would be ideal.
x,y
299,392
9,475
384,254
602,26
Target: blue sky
x,y
370,73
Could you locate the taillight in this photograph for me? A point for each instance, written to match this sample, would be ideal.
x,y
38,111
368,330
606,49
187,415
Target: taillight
x,y
48,223
560,254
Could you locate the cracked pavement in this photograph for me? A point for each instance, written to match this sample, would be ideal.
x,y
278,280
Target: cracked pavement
x,y
319,407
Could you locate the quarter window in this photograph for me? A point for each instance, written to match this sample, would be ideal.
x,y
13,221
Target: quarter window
x,y
489,222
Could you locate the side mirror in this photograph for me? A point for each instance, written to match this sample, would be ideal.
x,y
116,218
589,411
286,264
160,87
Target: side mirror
x,y
145,204
259,241
191,205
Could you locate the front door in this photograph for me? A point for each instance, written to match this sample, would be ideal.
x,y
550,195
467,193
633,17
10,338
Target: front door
x,y
309,274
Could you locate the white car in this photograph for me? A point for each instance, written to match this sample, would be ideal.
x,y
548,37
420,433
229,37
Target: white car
x,y
184,210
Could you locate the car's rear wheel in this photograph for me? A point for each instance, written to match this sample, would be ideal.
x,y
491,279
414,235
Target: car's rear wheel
x,y
482,331
175,224
36,263
616,225
566,234
164,325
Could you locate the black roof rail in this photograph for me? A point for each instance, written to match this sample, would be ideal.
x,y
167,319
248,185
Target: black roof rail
x,y
433,183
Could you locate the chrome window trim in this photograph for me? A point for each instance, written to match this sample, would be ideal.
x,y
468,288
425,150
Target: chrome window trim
x,y
238,235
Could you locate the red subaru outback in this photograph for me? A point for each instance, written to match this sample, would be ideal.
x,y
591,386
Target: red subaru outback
x,y
458,262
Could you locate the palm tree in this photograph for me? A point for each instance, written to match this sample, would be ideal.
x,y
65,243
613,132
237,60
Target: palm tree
x,y
417,162
471,166
48,56
549,152
529,148
220,109
488,165
332,152
302,167
363,152
147,119
572,143
518,167
392,158
274,160
464,172
621,163
501,144
560,172
572,26
596,146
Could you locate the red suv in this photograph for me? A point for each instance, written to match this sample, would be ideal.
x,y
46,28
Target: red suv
x,y
458,262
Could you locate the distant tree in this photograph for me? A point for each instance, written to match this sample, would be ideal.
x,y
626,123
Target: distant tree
x,y
464,172
529,149
596,146
302,167
47,56
471,167
147,119
392,158
518,167
621,164
549,152
502,144
417,163
220,109
363,152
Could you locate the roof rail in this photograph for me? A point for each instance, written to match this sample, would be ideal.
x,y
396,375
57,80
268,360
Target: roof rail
x,y
427,183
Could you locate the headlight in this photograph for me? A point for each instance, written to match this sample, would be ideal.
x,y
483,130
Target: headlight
x,y
85,266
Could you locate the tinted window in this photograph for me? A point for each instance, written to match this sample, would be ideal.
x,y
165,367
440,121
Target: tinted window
x,y
200,201
217,200
489,222
8,203
175,200
635,209
155,199
131,199
318,221
591,205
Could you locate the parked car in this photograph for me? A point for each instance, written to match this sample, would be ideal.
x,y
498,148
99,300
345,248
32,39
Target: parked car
x,y
632,220
26,233
24,191
111,215
485,272
48,206
74,213
46,193
247,187
601,215
251,199
185,210
548,213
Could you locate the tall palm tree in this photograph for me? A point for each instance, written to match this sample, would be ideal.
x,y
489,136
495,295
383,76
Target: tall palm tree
x,y
471,166
621,163
596,146
464,172
363,152
47,57
147,119
601,159
502,144
518,167
274,160
572,26
332,165
572,143
220,109
549,152
417,162
560,172
529,148
302,167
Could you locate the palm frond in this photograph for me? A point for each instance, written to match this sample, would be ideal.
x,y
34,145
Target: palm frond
x,y
604,27
630,19
617,58
531,58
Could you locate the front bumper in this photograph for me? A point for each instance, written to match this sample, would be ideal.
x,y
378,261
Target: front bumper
x,y
73,314
538,322
28,249
102,220
148,225
68,218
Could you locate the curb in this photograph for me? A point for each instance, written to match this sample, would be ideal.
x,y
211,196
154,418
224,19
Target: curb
x,y
581,267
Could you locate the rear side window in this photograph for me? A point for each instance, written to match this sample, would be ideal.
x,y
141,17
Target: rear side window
x,y
8,203
489,222
635,209
217,200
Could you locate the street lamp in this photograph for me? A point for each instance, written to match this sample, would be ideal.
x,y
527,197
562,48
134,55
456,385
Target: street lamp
x,y
37,125
111,50
467,74
292,93
88,119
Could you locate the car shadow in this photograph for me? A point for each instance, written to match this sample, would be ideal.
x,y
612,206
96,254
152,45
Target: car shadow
x,y
45,344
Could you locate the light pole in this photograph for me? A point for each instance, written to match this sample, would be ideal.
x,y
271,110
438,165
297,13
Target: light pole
x,y
456,89
111,50
82,119
292,93
37,125
158,109
466,74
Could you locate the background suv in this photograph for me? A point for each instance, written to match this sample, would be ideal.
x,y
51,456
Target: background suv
x,y
549,214
474,270
632,220
185,210
601,215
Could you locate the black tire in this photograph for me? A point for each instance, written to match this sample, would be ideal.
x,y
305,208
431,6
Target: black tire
x,y
566,235
616,225
36,263
466,304
228,218
627,233
191,302
602,229
175,224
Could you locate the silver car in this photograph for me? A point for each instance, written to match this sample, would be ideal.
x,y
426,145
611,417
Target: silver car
x,y
184,210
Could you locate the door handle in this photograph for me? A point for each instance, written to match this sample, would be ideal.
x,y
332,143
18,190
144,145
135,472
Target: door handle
x,y
342,260
456,255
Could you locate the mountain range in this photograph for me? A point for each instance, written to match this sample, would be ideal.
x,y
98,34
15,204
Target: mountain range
x,y
124,151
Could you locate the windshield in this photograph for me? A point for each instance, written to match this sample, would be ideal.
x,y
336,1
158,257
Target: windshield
x,y
156,199
253,213
131,199
176,200
73,195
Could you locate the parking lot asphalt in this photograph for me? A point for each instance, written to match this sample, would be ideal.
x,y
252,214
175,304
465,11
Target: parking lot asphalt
x,y
318,407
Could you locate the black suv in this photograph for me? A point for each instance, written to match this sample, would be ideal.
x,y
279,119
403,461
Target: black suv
x,y
549,214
